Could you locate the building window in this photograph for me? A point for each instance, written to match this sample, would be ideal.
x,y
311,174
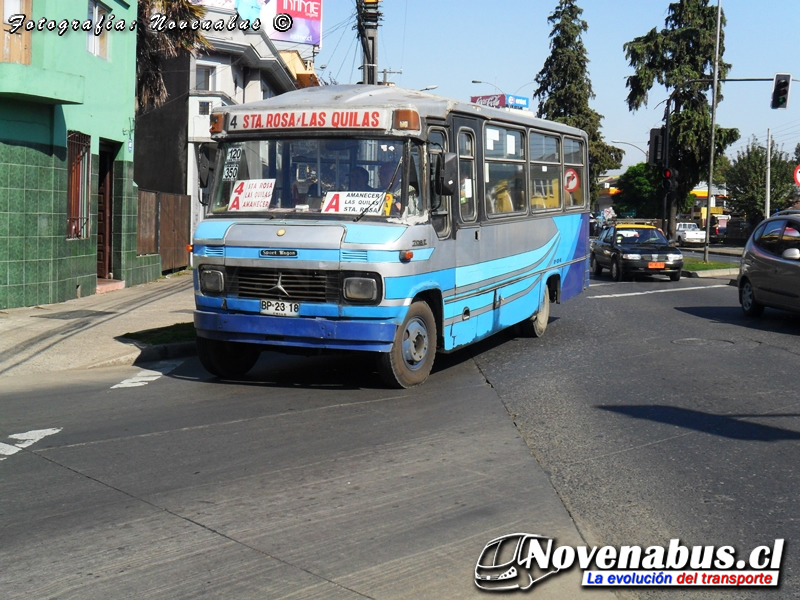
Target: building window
x,y
266,91
97,44
205,78
205,108
79,171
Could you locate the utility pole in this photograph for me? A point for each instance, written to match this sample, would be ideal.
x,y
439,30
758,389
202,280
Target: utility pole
x,y
368,17
769,164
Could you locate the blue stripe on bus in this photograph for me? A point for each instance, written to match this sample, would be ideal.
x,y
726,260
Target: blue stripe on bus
x,y
211,229
358,233
478,272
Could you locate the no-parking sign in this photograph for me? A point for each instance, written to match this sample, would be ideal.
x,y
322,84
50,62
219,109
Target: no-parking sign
x,y
797,175
571,180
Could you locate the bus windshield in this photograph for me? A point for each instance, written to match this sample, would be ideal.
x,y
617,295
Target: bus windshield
x,y
337,177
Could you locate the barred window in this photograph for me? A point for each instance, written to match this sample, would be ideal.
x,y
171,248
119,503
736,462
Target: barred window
x,y
79,171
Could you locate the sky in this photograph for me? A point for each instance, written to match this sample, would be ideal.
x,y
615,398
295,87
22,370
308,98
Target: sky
x,y
448,43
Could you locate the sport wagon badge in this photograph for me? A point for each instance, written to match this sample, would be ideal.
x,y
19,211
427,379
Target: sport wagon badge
x,y
279,253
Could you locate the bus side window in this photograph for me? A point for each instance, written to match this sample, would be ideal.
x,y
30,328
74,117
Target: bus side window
x,y
440,205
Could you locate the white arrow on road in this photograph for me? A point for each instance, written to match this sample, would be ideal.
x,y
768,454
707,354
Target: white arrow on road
x,y
25,439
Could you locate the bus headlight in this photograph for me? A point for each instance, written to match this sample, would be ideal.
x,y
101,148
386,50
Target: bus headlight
x,y
360,289
212,281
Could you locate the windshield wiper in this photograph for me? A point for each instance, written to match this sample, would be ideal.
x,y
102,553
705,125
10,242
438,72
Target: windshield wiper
x,y
369,206
383,197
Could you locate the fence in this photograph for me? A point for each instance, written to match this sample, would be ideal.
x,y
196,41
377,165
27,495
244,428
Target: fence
x,y
164,224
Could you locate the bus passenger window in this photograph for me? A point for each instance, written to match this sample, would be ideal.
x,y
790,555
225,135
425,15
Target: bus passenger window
x,y
574,173
466,175
504,171
545,172
440,205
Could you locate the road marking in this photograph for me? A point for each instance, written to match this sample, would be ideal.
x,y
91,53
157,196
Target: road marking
x,y
26,439
700,287
145,376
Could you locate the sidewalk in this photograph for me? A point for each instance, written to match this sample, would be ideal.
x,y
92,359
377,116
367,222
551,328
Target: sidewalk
x,y
86,332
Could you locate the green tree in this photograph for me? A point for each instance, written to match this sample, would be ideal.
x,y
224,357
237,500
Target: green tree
x,y
565,89
154,47
675,57
640,192
747,179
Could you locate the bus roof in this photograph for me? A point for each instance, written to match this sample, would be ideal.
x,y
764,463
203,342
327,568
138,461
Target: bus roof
x,y
351,97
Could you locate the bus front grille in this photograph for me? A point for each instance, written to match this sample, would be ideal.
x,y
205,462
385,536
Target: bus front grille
x,y
299,285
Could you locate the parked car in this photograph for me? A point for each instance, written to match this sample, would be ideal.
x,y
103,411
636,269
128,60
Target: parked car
x,y
769,274
629,249
689,233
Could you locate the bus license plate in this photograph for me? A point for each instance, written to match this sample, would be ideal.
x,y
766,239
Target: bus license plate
x,y
278,308
655,265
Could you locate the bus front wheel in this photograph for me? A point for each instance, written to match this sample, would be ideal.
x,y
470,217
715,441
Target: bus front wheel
x,y
226,359
410,360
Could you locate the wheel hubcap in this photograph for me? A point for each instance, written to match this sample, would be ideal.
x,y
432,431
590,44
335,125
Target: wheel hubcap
x,y
415,343
747,297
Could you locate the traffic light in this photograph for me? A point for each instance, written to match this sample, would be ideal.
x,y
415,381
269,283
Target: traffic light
x,y
780,90
670,181
656,147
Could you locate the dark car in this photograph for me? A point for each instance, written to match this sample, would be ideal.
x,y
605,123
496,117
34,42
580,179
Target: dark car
x,y
632,249
769,274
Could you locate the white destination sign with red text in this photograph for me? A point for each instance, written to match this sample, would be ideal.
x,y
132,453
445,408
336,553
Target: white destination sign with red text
x,y
370,203
310,119
252,194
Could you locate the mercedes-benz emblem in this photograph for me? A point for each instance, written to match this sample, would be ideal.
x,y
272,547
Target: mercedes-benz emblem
x,y
278,287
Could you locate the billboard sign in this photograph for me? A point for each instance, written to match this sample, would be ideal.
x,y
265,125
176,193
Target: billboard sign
x,y
303,25
501,101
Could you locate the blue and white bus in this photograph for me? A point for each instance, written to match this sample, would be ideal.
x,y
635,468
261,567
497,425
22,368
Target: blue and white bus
x,y
379,219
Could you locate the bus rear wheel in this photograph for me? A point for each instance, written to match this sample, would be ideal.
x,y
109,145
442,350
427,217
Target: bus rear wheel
x,y
537,324
410,360
226,359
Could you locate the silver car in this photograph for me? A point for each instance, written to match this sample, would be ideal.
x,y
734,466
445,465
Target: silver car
x,y
770,271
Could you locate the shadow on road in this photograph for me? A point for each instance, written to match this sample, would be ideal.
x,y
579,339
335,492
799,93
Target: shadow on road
x,y
774,321
728,426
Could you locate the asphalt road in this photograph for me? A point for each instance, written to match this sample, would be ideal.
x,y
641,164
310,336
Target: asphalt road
x,y
661,412
655,408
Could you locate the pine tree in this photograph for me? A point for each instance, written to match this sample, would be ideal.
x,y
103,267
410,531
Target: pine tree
x,y
565,88
674,57
153,47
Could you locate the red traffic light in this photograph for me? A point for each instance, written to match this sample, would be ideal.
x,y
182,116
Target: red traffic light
x,y
668,173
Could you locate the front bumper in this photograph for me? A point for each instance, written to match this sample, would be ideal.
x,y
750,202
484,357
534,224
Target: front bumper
x,y
642,266
304,332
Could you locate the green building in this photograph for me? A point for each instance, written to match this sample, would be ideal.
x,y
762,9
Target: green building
x,y
68,203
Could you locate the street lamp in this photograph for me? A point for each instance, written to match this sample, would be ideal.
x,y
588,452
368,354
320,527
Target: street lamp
x,y
522,86
491,84
629,144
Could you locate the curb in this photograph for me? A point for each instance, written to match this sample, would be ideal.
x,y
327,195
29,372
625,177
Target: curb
x,y
712,273
150,354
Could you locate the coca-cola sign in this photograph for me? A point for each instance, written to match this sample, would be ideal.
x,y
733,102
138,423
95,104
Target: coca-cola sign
x,y
494,100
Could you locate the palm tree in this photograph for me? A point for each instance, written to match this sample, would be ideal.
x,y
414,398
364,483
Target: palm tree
x,y
154,47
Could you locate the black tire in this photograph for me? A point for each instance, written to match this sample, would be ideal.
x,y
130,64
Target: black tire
x,y
537,324
616,270
226,359
680,241
410,360
747,298
675,276
594,265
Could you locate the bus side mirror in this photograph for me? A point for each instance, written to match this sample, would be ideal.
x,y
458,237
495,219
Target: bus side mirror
x,y
446,173
203,166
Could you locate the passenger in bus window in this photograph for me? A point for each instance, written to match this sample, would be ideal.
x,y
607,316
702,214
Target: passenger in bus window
x,y
359,180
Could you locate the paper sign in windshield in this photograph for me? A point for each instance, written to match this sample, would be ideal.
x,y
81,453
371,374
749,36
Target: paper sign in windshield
x,y
369,203
252,194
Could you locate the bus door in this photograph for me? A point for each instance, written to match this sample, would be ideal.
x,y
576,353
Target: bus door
x,y
467,233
